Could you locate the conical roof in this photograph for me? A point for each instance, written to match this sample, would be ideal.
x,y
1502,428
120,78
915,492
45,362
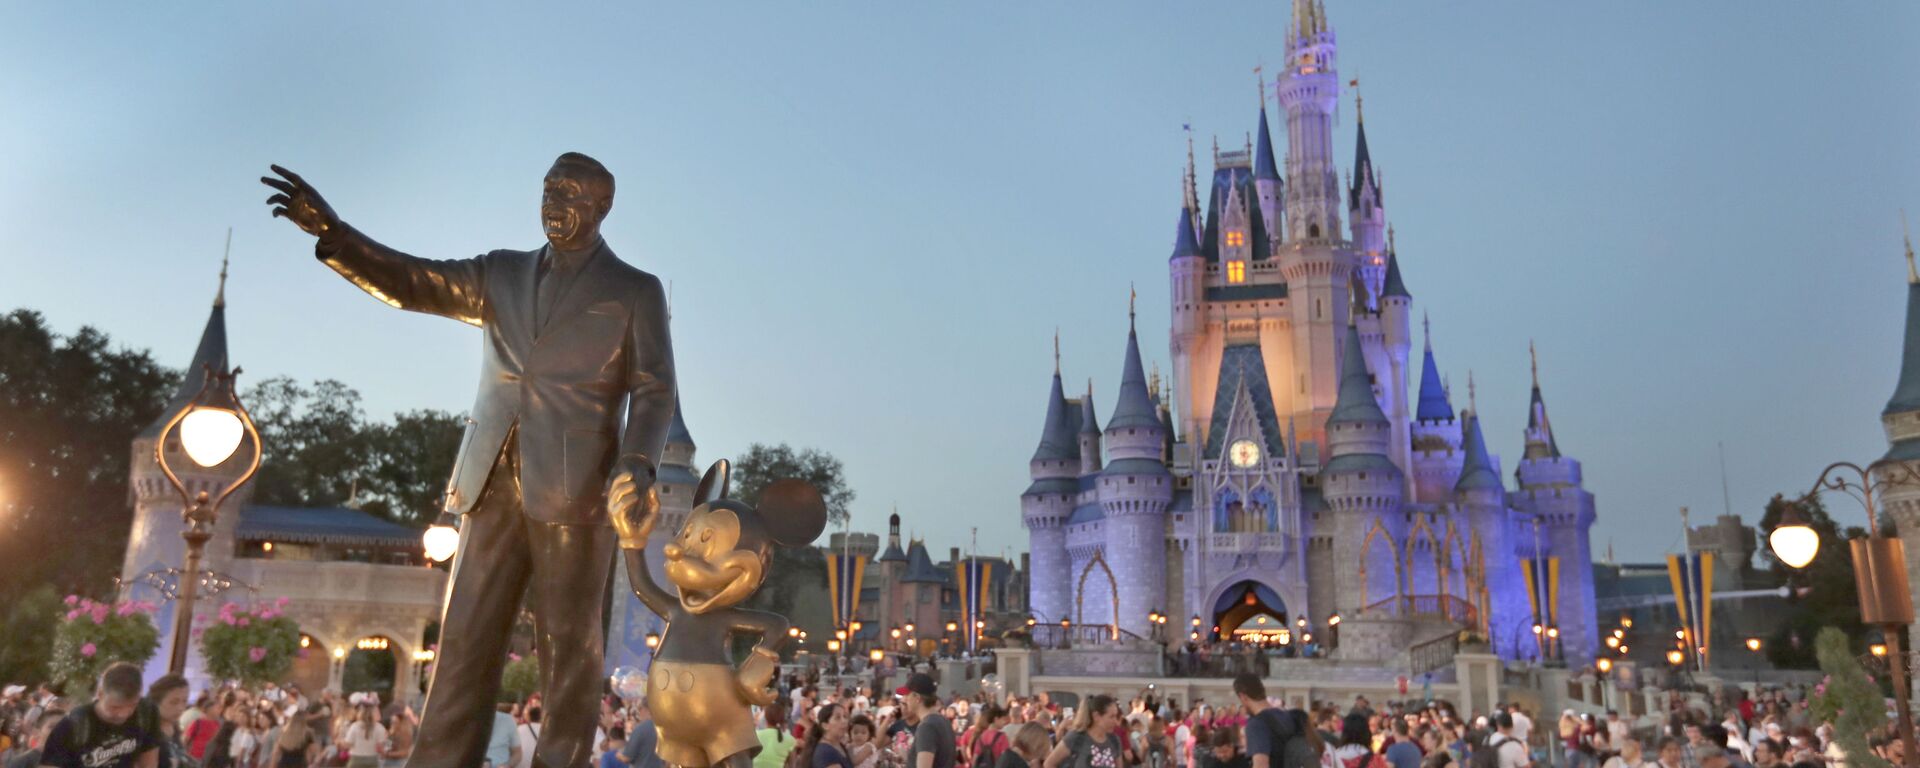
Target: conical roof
x,y
1394,285
1134,407
1433,393
1363,174
212,353
1540,440
1476,474
1089,422
1057,438
1184,241
1355,403
1906,395
677,433
1263,164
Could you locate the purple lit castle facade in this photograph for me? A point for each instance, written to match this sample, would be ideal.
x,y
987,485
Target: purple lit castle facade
x,y
1289,471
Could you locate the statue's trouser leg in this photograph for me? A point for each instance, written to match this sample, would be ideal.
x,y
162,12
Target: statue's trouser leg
x,y
489,575
737,760
568,590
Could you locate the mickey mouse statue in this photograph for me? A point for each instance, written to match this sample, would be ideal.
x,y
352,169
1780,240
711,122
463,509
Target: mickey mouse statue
x,y
701,703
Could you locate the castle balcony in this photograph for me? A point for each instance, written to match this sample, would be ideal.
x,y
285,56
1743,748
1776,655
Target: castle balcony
x,y
1247,542
1448,608
374,585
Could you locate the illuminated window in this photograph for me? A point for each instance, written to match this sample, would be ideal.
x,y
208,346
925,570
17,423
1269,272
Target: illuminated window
x,y
1236,271
1236,239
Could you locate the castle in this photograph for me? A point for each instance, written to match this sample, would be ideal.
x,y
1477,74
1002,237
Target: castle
x,y
1290,472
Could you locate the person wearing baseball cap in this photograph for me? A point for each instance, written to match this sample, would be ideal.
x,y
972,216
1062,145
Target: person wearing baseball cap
x,y
933,738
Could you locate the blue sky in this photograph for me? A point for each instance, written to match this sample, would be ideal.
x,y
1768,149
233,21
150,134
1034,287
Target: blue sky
x,y
874,215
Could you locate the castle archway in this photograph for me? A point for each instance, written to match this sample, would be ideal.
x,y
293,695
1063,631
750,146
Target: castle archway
x,y
1249,608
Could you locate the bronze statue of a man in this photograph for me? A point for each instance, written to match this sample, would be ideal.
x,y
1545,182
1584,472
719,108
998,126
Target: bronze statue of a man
x,y
574,336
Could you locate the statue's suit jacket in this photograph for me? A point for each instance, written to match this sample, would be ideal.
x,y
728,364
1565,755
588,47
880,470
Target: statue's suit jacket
x,y
604,349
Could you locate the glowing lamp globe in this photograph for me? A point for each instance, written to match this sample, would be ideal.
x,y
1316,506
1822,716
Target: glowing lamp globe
x,y
211,435
1794,542
1675,657
440,542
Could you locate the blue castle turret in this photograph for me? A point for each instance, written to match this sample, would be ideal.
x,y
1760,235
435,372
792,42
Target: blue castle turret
x,y
1551,491
1134,491
1047,503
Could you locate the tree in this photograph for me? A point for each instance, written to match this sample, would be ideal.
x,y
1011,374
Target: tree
x,y
763,464
28,628
69,410
793,570
322,451
1850,699
1832,598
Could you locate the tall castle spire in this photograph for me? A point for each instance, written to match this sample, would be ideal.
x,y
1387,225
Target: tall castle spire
x,y
1433,392
1540,442
1906,394
1309,90
209,354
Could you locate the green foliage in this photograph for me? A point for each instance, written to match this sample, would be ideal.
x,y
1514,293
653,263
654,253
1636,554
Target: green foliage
x,y
28,629
1832,599
253,646
93,635
369,671
763,464
520,678
69,408
322,451
1849,698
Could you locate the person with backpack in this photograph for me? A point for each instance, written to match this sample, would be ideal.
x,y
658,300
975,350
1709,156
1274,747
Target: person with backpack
x,y
115,730
1509,751
982,744
1276,738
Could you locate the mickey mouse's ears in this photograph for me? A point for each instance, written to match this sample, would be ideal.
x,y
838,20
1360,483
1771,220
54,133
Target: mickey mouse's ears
x,y
714,484
793,512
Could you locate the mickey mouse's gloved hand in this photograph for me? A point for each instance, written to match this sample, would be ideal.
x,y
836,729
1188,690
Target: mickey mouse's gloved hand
x,y
632,503
755,677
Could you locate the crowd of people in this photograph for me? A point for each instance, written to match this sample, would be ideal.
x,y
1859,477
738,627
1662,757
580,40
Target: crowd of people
x,y
813,726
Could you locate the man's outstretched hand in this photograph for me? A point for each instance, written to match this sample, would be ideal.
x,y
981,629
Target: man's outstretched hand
x,y
300,203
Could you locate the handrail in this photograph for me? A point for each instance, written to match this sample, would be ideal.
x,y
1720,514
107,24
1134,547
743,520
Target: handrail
x,y
1451,607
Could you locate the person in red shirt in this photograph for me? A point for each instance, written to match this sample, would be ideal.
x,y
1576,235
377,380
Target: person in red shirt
x,y
200,733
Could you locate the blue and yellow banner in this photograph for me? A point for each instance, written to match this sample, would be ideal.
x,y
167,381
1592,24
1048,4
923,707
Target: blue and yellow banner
x,y
1543,590
845,572
1692,577
974,575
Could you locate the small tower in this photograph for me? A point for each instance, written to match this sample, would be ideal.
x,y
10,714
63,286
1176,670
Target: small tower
x,y
1901,420
154,546
1134,491
1089,435
1362,487
1481,500
1396,340
1550,489
1267,183
1437,436
1048,501
1367,211
1188,268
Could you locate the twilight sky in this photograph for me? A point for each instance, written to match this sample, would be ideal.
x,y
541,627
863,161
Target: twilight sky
x,y
874,215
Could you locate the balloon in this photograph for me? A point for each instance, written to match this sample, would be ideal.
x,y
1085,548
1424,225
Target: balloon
x,y
629,682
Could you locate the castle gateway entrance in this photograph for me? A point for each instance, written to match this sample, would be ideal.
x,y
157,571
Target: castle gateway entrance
x,y
1250,611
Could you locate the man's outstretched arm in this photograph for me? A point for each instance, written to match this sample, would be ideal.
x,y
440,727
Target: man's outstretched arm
x,y
453,289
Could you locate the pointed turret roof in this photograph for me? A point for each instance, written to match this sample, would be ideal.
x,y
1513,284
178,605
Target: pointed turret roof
x,y
1057,438
1433,392
1089,423
1133,408
1263,164
1363,173
1355,402
1185,243
1540,441
920,566
1476,474
1906,395
1394,285
893,553
677,433
211,353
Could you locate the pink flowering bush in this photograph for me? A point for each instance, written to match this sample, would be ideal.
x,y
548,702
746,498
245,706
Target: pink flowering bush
x,y
252,645
92,635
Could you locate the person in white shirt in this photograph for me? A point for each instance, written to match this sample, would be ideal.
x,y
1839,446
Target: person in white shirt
x,y
365,738
1617,729
1522,725
1512,751
529,737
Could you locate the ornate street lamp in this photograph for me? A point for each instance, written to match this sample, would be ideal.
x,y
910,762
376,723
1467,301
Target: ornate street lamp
x,y
1793,540
210,429
1879,566
653,640
441,539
